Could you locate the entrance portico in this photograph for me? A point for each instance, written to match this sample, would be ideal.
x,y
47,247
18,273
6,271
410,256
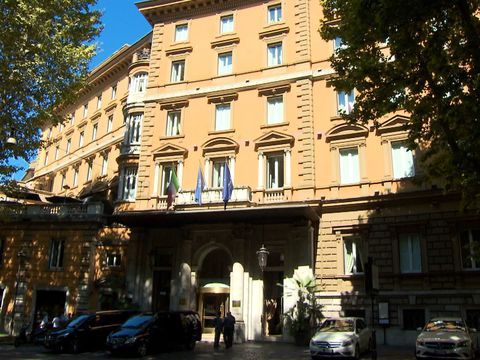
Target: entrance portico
x,y
213,262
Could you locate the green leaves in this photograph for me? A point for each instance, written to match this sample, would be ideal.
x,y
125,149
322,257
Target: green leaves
x,y
45,49
430,68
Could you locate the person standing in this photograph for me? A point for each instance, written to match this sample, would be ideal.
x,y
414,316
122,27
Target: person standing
x,y
218,324
228,329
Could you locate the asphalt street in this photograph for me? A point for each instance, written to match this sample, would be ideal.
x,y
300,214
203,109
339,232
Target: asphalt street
x,y
204,350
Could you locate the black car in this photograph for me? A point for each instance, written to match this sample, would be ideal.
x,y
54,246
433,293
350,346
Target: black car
x,y
155,332
87,332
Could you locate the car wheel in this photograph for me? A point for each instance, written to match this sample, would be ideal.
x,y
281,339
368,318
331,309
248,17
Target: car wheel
x,y
142,349
356,356
191,344
74,346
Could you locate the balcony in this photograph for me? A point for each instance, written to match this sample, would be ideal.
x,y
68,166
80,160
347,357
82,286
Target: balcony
x,y
49,212
129,149
209,197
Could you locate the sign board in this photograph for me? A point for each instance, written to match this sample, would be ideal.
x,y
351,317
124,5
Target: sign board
x,y
236,303
383,313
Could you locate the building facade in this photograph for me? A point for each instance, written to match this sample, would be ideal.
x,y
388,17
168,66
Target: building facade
x,y
239,91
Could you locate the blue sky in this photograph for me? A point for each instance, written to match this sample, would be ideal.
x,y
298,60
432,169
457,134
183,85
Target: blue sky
x,y
122,24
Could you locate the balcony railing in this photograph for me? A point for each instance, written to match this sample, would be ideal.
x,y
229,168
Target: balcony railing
x,y
129,149
50,211
209,197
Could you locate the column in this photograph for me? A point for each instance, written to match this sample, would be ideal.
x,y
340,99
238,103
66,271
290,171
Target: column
x,y
261,171
288,168
155,179
236,301
180,172
207,173
232,168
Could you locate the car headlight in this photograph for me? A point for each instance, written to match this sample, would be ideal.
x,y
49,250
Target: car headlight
x,y
347,342
463,344
130,340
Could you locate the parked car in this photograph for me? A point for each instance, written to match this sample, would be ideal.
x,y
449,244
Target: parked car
x,y
341,337
87,332
445,338
147,333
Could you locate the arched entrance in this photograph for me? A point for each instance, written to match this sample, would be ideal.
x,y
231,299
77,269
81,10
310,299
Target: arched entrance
x,y
214,286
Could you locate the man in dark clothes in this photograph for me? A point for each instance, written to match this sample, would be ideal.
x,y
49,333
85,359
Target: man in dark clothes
x,y
218,323
228,328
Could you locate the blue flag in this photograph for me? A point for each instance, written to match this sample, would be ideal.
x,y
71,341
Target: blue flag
x,y
200,187
227,186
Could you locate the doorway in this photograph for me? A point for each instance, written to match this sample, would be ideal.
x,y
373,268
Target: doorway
x,y
273,306
49,302
211,303
161,290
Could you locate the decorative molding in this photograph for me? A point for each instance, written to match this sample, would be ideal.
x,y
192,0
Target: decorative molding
x,y
273,139
222,97
177,51
274,32
393,124
220,144
346,131
225,42
174,104
276,89
170,151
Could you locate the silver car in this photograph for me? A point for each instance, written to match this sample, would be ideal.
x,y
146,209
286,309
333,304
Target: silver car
x,y
341,337
445,338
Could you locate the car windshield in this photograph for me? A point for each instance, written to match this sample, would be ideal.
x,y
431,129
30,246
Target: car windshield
x,y
445,325
138,322
337,325
78,321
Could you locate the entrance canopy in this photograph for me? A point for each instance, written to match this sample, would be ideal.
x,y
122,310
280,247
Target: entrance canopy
x,y
254,215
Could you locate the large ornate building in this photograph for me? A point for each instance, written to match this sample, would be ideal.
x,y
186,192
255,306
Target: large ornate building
x,y
238,90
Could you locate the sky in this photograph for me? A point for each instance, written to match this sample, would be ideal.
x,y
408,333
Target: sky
x,y
122,24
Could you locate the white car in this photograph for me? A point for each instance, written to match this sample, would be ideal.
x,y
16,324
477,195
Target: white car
x,y
341,337
445,338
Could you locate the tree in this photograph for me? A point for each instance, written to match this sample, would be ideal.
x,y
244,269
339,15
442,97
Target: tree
x,y
45,50
422,57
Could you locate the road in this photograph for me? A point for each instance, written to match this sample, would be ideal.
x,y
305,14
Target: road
x,y
204,350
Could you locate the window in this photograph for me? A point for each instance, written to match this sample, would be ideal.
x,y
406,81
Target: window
x,y
99,101
226,24
129,183
173,123
337,43
114,259
57,151
275,54
139,83
413,319
218,168
94,131
104,165
80,139
222,117
349,166
167,170
410,253
275,13
225,63
64,178
56,254
402,160
178,71
275,171
72,118
75,177
134,128
69,145
352,255
469,242
61,127
49,133
45,162
85,110
109,123
181,32
345,102
275,109
89,170
114,92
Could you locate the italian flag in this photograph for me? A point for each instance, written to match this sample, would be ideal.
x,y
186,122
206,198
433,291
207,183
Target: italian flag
x,y
172,189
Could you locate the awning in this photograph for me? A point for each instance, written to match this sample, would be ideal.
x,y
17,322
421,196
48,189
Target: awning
x,y
254,215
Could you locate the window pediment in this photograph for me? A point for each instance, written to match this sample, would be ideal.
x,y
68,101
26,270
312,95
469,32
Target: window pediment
x,y
346,131
225,42
395,123
219,145
178,51
222,97
170,151
274,139
173,105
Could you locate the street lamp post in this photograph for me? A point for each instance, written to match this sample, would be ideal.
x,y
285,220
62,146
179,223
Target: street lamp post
x,y
21,255
262,256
